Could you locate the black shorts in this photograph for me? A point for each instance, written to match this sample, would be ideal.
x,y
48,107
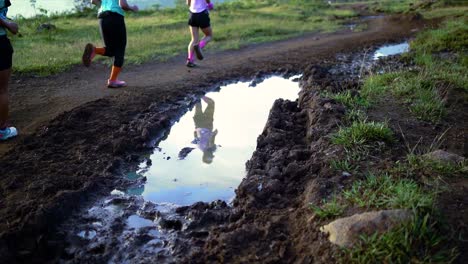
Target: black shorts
x,y
201,20
6,53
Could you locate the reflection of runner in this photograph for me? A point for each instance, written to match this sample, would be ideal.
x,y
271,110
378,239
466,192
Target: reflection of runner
x,y
204,134
6,55
113,31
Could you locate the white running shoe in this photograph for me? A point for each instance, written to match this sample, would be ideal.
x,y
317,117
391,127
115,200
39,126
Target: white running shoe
x,y
8,132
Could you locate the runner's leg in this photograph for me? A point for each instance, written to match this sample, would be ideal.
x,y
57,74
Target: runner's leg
x,y
208,36
194,32
4,99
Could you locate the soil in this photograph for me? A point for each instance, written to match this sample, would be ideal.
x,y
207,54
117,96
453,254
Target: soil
x,y
77,137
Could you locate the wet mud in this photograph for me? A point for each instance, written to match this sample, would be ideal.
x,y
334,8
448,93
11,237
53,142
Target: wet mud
x,y
82,155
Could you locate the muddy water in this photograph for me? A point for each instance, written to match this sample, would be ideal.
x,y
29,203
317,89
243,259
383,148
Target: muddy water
x,y
142,224
203,158
389,50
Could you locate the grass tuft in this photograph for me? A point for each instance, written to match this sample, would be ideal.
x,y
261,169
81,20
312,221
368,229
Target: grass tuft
x,y
362,133
329,209
384,192
426,166
419,241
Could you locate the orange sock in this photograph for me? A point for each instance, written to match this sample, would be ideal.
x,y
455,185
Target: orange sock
x,y
100,51
115,73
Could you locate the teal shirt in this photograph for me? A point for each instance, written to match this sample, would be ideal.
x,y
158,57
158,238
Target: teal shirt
x,y
110,5
3,14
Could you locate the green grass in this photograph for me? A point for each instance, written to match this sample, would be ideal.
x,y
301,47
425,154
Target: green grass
x,y
414,183
445,12
384,192
361,133
452,36
425,166
344,165
329,209
161,34
382,6
375,85
349,100
419,241
421,89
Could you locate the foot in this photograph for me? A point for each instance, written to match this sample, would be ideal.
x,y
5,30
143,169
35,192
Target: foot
x,y
190,64
116,84
198,52
7,133
88,54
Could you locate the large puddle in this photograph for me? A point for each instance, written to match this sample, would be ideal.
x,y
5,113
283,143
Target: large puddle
x,y
204,156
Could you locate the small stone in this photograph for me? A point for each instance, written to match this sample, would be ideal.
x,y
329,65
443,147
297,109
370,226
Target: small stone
x,y
346,174
346,231
46,27
444,156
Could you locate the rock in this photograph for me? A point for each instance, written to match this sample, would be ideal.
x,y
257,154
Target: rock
x,y
346,174
444,156
46,27
346,231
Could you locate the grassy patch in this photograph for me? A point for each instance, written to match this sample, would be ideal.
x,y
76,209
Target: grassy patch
x,y
161,34
375,85
452,36
344,165
426,166
384,192
329,209
419,241
349,100
361,133
445,12
420,91
382,6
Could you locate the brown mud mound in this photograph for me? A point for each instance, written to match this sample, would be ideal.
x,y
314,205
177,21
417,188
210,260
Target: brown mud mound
x,y
79,154
271,220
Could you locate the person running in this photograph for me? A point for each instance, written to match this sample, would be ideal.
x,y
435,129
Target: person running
x,y
113,32
6,61
199,18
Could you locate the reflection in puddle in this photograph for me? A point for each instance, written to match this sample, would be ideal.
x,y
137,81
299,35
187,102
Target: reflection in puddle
x,y
136,222
391,50
87,234
204,156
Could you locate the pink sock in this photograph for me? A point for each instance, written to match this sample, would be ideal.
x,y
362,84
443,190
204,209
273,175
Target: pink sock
x,y
190,56
202,44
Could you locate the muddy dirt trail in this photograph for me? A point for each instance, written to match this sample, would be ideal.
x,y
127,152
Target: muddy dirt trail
x,y
77,135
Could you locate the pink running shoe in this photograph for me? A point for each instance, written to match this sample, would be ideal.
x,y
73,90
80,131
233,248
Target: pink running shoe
x,y
88,54
116,84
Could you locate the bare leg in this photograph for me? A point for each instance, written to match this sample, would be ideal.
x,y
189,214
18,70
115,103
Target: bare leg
x,y
194,41
4,101
208,36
